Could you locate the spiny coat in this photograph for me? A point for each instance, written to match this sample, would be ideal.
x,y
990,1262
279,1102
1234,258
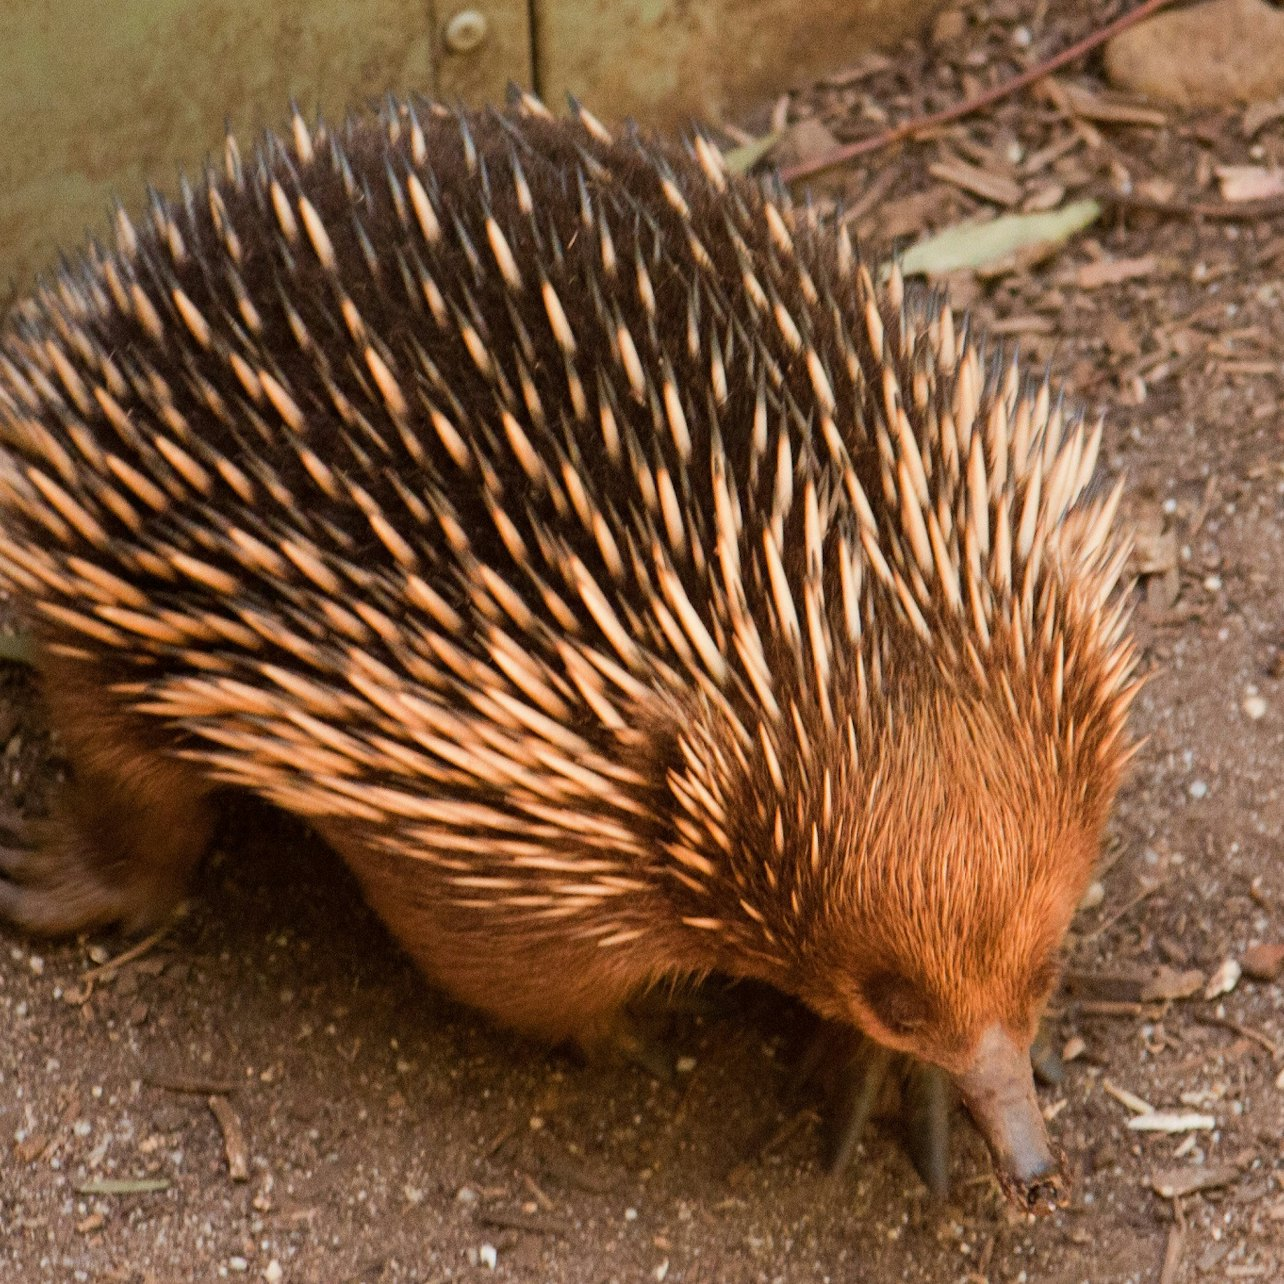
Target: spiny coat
x,y
577,536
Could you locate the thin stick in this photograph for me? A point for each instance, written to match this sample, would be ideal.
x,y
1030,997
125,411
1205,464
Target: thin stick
x,y
128,956
1223,211
1008,87
229,1122
1244,1031
1175,1246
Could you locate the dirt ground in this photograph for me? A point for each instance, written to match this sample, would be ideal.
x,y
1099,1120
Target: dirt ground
x,y
383,1134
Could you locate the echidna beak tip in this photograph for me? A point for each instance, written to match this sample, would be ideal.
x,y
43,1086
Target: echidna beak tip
x,y
998,1089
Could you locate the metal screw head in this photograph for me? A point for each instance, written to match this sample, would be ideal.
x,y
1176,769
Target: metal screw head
x,y
465,31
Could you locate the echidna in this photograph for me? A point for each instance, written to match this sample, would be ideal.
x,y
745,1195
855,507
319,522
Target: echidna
x,y
625,584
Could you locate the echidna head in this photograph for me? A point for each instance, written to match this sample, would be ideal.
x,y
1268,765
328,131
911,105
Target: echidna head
x,y
952,883
918,885
909,865
946,912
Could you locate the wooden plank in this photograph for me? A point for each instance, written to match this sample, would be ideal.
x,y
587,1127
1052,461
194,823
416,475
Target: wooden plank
x,y
481,48
96,99
666,61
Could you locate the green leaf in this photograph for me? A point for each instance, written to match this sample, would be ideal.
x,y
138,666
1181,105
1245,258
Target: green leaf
x,y
974,245
740,160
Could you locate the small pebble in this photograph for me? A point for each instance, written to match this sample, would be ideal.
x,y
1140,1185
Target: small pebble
x,y
1255,707
1263,962
684,1065
1093,897
1198,789
273,1273
238,1264
948,27
1224,980
1074,1049
488,1256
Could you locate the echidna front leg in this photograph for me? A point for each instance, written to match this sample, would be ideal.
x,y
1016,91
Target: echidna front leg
x,y
863,1074
127,830
927,1101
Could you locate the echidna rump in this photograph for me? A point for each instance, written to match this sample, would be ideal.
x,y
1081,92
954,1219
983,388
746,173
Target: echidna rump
x,y
618,578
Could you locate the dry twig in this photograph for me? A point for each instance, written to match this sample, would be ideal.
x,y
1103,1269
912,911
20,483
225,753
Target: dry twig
x,y
920,124
229,1122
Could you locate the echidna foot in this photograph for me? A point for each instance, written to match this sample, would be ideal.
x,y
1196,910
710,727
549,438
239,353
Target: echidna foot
x,y
626,1038
860,1078
49,886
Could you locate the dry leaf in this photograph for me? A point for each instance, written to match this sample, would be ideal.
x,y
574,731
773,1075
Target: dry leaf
x,y
1168,984
740,160
1162,1121
1082,102
1138,1105
1114,271
1250,182
803,142
122,1186
1263,962
984,183
1173,1183
973,245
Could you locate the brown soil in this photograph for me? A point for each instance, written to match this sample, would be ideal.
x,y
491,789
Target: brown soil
x,y
389,1135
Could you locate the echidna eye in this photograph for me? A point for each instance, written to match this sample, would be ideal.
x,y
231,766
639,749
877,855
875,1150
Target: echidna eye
x,y
897,1002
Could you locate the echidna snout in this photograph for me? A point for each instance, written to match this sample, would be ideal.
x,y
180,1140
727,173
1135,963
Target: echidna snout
x,y
625,584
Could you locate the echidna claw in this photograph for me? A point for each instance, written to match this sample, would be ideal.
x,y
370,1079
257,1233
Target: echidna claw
x,y
855,1100
929,1101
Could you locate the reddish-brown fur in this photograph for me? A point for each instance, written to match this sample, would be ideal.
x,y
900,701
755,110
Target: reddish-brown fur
x,y
624,585
135,820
